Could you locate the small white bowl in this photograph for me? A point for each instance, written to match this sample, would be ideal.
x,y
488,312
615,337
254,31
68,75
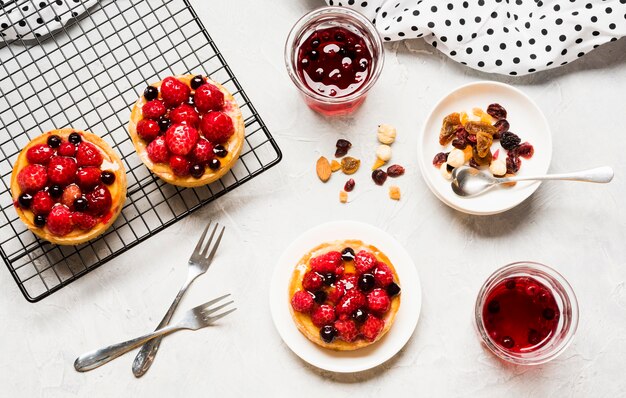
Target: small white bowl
x,y
372,355
526,120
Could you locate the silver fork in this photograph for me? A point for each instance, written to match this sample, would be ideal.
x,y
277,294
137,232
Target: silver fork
x,y
198,264
194,319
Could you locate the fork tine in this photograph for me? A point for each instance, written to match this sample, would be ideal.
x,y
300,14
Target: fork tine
x,y
212,319
208,244
201,240
205,306
217,243
212,310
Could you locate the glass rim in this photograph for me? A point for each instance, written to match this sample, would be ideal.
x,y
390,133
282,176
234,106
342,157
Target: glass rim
x,y
297,30
562,287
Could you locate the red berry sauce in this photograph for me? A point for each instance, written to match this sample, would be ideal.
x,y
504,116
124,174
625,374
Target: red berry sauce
x,y
334,62
520,314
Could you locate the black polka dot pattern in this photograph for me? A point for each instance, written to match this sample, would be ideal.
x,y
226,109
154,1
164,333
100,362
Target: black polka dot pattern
x,y
33,19
508,37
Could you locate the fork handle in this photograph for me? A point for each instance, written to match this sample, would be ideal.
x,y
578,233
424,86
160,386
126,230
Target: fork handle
x,y
96,358
147,353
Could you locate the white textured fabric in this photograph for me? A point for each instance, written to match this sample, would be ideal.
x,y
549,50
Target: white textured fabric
x,y
29,19
512,37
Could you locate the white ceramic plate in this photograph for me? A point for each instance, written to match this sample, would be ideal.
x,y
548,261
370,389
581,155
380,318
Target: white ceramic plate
x,y
364,358
526,120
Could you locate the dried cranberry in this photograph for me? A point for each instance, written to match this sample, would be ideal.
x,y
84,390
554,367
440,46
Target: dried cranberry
x,y
496,111
471,139
472,163
461,140
395,170
349,185
513,163
459,144
342,147
380,176
525,150
502,126
439,159
509,140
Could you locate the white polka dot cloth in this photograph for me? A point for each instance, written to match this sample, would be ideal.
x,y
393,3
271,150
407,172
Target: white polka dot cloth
x,y
30,19
512,37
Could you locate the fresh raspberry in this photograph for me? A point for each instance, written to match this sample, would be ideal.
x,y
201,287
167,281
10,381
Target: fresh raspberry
x,y
179,165
32,178
99,200
312,281
208,98
153,109
364,261
203,151
39,154
62,170
350,302
174,92
348,281
59,221
88,155
302,301
87,177
42,203
326,263
383,274
148,129
70,194
157,150
335,293
180,139
347,330
323,315
67,149
185,114
83,221
372,327
217,127
378,301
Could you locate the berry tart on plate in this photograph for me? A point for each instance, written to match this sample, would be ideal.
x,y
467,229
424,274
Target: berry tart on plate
x,y
344,295
68,186
187,129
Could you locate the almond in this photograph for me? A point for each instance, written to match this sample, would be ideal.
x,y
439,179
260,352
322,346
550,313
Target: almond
x,y
323,169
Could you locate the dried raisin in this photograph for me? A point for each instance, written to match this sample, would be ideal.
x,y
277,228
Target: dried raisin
x,y
349,185
509,140
502,126
496,111
483,145
482,160
476,127
379,176
513,163
395,170
448,128
440,159
525,150
342,147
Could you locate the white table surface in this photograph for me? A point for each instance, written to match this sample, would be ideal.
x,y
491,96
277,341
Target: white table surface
x,y
578,229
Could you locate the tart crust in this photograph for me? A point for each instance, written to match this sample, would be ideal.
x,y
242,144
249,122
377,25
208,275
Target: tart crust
x,y
111,162
234,144
303,321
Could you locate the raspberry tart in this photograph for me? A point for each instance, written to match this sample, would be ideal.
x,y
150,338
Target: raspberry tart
x,y
187,129
68,186
344,295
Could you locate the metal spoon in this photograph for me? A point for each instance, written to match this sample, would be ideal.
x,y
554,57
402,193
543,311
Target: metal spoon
x,y
468,181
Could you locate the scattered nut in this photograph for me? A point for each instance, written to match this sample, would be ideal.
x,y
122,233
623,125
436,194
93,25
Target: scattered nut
x,y
456,158
386,134
323,169
335,165
444,171
394,192
343,196
498,167
350,165
509,184
383,152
